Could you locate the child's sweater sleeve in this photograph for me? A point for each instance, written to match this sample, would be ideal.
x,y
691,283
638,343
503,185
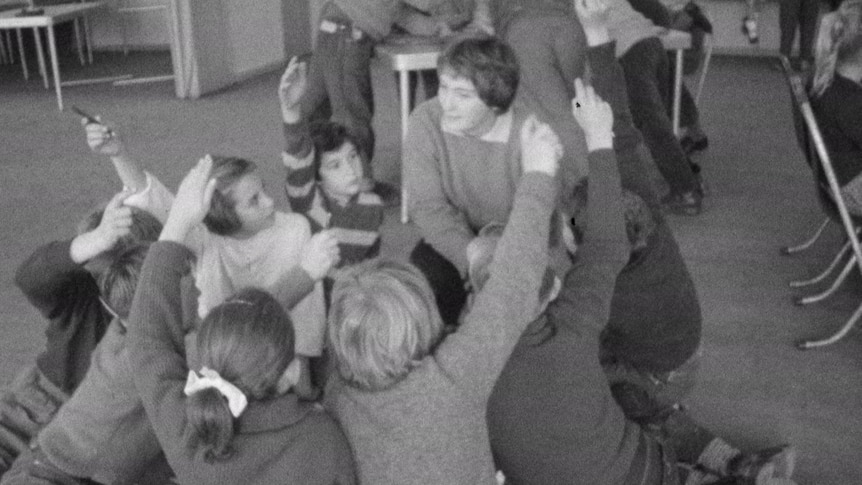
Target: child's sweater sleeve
x,y
300,182
473,357
156,349
52,282
586,294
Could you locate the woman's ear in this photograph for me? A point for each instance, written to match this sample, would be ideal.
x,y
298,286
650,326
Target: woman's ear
x,y
289,378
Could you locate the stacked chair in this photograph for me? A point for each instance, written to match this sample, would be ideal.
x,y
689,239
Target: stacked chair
x,y
829,194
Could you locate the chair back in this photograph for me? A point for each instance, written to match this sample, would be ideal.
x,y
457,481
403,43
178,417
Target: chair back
x,y
821,158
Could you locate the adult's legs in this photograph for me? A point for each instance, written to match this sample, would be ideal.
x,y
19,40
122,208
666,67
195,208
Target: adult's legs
x,y
788,18
551,50
809,11
340,83
647,74
445,281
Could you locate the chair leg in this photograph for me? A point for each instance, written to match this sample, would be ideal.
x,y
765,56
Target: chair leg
x,y
801,301
810,344
788,250
834,264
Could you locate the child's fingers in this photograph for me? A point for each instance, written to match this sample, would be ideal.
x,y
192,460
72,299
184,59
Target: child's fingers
x,y
117,200
208,192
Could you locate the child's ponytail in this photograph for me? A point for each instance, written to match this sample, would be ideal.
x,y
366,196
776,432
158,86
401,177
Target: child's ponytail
x,y
210,424
245,345
840,37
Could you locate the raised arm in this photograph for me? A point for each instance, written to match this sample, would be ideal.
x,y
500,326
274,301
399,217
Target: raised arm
x,y
300,181
587,290
106,141
442,224
155,338
474,356
150,194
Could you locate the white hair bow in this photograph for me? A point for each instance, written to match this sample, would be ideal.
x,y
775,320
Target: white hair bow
x,y
236,400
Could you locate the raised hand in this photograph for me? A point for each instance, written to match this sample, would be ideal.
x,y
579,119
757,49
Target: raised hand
x,y
192,201
541,150
291,89
115,224
320,254
102,139
594,116
593,15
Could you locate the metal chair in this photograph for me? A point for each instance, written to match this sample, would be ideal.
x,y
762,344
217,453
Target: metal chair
x,y
821,163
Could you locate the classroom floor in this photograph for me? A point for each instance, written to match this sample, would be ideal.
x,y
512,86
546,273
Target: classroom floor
x,y
754,387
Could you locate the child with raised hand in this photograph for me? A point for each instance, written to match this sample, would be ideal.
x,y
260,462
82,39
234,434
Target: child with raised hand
x,y
235,419
412,402
324,171
64,282
242,241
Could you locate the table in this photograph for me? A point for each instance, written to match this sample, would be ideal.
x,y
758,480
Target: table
x,y
52,16
416,54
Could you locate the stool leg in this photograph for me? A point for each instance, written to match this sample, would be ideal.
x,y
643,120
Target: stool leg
x,y
404,91
21,54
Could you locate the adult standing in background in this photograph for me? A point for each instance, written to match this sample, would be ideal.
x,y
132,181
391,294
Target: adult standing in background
x,y
550,46
801,15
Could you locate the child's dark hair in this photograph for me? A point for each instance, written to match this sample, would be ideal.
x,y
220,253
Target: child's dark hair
x,y
222,218
489,63
118,281
249,341
329,136
145,228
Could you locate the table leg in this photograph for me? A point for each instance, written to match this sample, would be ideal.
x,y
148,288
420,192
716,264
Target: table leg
x,y
3,58
21,54
9,43
40,54
404,93
677,92
88,40
55,65
80,48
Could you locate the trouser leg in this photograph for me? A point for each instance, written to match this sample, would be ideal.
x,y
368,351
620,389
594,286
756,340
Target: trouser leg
x,y
645,66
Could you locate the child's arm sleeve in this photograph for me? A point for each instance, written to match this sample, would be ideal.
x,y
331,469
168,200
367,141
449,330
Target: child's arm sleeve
x,y
153,198
474,356
51,281
586,294
442,225
300,184
156,348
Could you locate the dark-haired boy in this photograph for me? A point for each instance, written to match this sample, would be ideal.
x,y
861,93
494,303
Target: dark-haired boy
x,y
324,175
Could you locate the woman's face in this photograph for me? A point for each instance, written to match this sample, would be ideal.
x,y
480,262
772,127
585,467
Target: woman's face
x,y
463,111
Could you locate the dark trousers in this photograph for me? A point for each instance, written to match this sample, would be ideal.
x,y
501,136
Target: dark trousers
x,y
445,281
801,14
648,80
339,83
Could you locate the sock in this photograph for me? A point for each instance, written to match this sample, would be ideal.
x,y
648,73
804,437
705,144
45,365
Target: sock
x,y
716,455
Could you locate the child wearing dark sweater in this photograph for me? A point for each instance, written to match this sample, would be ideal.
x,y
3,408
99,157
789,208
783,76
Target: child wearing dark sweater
x,y
62,280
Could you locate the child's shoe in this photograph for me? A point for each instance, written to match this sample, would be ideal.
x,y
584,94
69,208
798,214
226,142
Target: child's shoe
x,y
683,204
690,144
749,28
765,466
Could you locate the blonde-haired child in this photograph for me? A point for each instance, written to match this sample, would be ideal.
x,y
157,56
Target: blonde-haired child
x,y
411,402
